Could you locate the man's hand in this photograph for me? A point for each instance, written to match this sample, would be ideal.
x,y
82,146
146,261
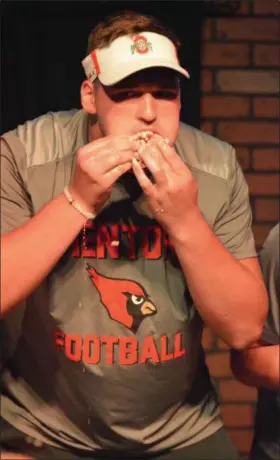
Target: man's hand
x,y
99,164
173,195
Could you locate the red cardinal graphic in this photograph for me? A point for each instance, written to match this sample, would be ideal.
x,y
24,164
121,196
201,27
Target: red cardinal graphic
x,y
126,301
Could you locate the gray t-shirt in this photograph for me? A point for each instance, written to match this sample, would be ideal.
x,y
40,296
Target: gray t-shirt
x,y
106,354
266,443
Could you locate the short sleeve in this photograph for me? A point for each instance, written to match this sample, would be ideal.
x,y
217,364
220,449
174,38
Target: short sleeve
x,y
16,205
269,261
234,226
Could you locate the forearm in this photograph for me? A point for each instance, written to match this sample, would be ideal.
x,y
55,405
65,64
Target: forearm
x,y
29,253
258,366
228,296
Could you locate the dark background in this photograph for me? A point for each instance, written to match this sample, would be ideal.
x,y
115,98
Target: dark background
x,y
43,43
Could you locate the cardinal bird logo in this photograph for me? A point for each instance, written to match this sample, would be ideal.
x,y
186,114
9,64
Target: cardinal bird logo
x,y
126,301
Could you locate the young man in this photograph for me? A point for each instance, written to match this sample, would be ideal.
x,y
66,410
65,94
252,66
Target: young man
x,y
124,231
259,366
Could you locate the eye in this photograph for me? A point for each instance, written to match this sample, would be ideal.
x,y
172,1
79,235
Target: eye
x,y
125,95
170,95
137,300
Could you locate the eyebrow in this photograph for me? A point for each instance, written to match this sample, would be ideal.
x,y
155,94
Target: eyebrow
x,y
147,86
143,89
130,84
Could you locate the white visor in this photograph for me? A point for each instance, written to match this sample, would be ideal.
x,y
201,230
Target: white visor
x,y
129,54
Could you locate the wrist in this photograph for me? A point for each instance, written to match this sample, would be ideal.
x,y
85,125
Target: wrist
x,y
188,227
78,203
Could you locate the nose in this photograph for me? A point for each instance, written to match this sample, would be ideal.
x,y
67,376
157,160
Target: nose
x,y
147,108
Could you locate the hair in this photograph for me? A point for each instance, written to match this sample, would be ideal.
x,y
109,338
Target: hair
x,y
127,23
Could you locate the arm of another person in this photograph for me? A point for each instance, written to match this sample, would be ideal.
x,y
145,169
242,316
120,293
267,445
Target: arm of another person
x,y
259,365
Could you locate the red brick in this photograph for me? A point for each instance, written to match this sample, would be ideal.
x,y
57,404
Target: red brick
x,y
249,132
225,54
237,415
263,184
219,364
232,390
242,439
206,80
248,81
260,233
266,107
267,210
269,7
251,29
225,106
207,29
244,8
207,339
243,157
266,159
207,127
267,55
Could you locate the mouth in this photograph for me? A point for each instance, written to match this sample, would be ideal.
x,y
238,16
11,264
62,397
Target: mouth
x,y
144,138
144,134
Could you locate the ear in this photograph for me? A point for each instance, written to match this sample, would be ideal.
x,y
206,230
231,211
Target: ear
x,y
88,97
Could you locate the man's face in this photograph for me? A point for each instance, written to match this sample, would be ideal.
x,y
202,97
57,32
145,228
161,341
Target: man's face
x,y
148,100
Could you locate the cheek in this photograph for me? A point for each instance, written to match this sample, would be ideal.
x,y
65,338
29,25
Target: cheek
x,y
169,119
117,120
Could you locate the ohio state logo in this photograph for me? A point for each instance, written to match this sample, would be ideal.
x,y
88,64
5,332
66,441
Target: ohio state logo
x,y
141,45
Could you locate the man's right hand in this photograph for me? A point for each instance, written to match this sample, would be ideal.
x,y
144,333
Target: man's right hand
x,y
99,165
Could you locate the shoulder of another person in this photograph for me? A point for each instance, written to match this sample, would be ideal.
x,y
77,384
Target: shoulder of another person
x,y
204,152
271,244
273,236
42,137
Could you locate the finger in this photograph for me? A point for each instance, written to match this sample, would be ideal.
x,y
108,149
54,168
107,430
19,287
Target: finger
x,y
126,142
111,142
155,152
144,182
109,160
172,158
156,164
158,138
114,174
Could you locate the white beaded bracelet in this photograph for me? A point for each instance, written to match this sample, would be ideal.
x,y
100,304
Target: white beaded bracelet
x,y
77,206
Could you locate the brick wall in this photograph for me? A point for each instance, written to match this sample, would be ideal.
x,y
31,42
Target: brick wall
x,y
240,104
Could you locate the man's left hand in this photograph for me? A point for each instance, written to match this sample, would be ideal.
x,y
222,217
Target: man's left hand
x,y
173,195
